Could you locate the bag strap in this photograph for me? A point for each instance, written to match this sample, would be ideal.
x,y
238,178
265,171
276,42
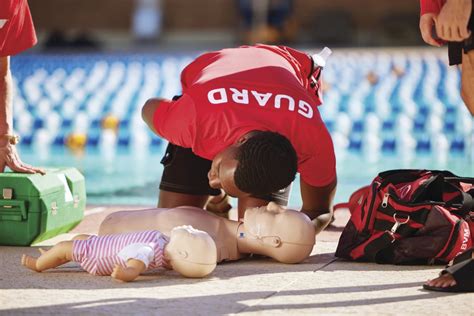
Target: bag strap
x,y
378,244
341,205
399,176
360,193
460,179
437,182
387,238
467,203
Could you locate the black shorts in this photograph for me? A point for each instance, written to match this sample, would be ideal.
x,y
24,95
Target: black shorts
x,y
455,49
184,172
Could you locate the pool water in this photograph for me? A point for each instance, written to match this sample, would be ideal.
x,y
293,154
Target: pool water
x,y
132,178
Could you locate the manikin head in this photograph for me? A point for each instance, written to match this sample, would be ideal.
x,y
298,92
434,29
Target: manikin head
x,y
287,236
258,163
191,252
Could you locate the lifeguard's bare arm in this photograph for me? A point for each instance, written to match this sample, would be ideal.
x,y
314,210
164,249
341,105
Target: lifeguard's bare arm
x,y
8,153
148,111
317,203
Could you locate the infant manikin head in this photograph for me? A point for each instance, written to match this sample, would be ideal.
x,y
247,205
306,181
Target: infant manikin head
x,y
288,236
191,252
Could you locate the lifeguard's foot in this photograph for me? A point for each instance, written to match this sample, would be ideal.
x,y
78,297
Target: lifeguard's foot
x,y
29,262
457,277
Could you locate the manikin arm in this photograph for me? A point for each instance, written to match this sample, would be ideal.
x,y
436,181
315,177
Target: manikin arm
x,y
133,269
317,203
138,256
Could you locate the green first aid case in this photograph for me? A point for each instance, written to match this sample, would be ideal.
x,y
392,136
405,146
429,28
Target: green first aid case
x,y
35,207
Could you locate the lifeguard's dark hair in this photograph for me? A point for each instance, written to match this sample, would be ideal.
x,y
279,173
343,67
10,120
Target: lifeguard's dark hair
x,y
267,162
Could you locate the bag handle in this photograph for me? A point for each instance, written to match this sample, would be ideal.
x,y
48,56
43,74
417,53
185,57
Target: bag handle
x,y
355,198
460,179
467,203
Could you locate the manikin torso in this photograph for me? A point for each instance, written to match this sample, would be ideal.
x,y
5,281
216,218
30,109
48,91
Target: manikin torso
x,y
223,231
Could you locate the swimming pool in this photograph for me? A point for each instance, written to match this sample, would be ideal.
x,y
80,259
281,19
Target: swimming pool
x,y
385,109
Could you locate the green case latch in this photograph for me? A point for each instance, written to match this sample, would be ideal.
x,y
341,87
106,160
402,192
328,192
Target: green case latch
x,y
12,210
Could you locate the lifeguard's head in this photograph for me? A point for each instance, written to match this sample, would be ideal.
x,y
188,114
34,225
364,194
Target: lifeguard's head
x,y
191,252
259,163
287,236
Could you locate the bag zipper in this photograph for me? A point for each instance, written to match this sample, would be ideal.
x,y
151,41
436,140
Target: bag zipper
x,y
369,213
385,200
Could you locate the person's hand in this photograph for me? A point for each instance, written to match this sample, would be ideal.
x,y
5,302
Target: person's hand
x,y
9,157
451,23
426,28
219,205
322,221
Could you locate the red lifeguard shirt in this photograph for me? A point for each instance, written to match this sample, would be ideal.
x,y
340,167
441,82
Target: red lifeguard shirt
x,y
431,6
17,32
231,92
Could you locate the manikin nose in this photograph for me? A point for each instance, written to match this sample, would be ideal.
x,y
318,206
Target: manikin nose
x,y
272,206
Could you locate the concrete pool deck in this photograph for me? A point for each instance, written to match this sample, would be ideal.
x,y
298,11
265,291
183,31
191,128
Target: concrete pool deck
x,y
320,285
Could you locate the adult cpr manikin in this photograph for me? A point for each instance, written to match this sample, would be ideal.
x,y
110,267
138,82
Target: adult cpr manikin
x,y
287,236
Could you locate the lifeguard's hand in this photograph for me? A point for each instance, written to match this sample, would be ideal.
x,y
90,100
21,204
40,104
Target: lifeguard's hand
x,y
426,28
219,204
451,23
321,222
9,157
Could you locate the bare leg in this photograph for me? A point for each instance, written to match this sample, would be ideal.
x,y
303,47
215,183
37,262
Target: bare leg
x,y
168,199
56,256
467,80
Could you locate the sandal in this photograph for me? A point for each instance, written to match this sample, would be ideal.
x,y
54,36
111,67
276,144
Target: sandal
x,y
462,272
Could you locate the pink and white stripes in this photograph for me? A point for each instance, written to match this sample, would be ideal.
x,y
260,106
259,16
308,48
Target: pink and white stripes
x,y
98,254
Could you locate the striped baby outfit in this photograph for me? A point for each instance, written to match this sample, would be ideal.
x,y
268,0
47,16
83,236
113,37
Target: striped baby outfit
x,y
98,255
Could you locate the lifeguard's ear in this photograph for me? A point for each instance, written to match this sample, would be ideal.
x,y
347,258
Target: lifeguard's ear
x,y
271,241
242,139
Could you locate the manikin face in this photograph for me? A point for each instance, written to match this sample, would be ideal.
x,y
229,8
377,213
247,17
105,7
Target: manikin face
x,y
275,221
221,174
191,246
